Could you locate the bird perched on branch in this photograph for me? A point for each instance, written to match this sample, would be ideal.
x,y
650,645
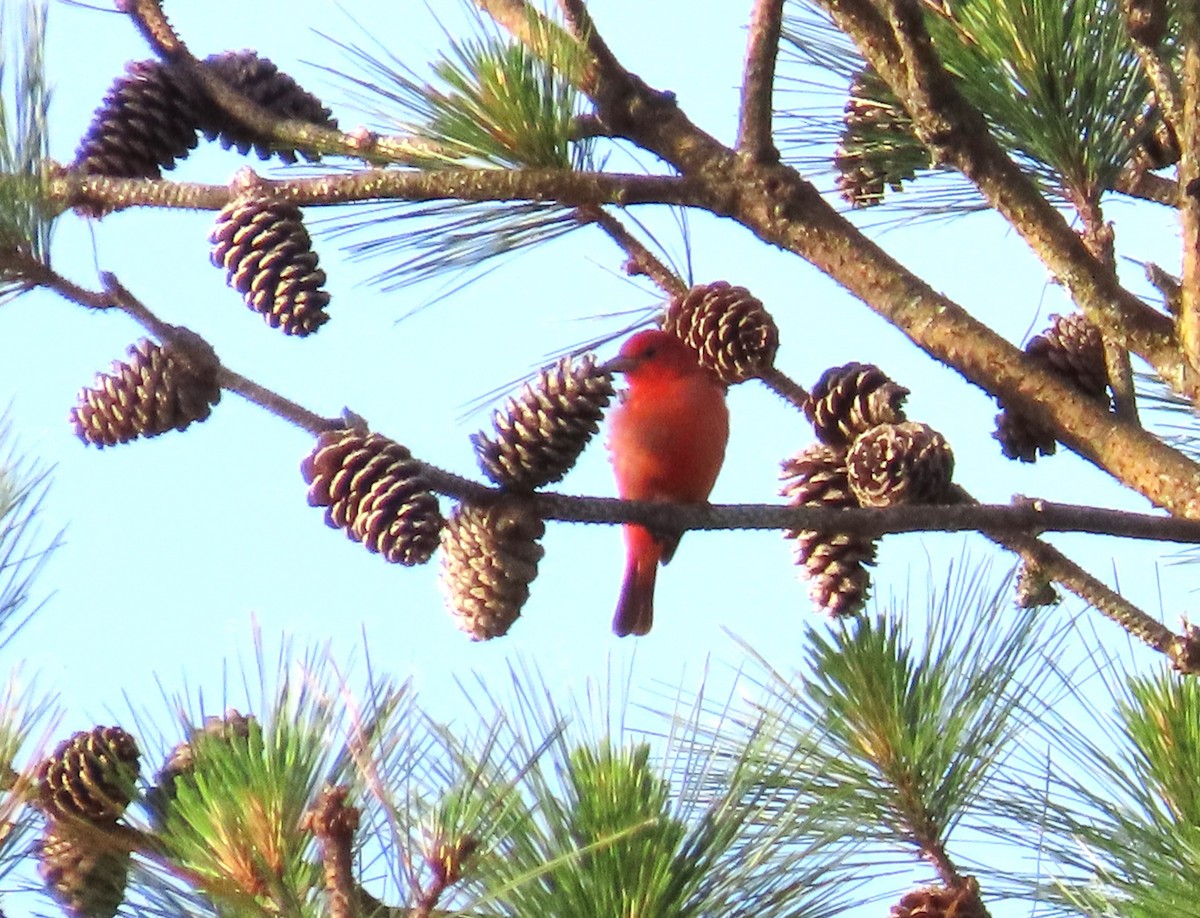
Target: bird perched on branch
x,y
667,439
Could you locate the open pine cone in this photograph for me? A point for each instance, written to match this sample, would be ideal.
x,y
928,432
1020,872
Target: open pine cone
x,y
542,430
490,557
89,776
834,564
1072,349
261,242
906,463
161,387
851,399
731,332
373,489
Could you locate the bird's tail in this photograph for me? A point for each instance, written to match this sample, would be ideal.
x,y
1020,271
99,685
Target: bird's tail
x,y
635,607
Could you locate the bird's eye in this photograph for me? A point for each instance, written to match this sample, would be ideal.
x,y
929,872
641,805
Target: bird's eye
x,y
650,351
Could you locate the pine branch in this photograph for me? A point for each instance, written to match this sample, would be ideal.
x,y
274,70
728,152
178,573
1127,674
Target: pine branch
x,y
758,80
1189,183
564,186
900,50
1141,183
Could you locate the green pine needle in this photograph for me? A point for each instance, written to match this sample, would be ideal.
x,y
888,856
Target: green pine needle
x,y
23,486
233,817
489,102
894,738
1121,822
25,221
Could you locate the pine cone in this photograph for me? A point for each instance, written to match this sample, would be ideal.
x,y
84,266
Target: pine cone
x,y
942,902
489,557
86,875
148,120
728,328
1023,438
373,489
878,148
160,388
835,564
89,776
1072,349
541,432
181,760
906,463
259,80
851,399
267,255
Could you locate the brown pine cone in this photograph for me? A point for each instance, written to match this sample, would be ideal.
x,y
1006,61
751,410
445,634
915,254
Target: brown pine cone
x,y
90,775
181,760
267,255
942,902
1073,349
147,121
878,148
906,463
835,564
373,489
260,81
1022,438
160,388
84,873
489,558
728,328
851,399
541,431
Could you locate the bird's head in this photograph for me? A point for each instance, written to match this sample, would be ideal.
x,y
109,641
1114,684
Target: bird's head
x,y
653,353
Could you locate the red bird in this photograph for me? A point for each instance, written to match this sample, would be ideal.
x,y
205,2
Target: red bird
x,y
667,439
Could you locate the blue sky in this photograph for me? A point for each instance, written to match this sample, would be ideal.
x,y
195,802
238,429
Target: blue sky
x,y
176,548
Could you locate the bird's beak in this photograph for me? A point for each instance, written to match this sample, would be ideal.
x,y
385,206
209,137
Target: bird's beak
x,y
619,365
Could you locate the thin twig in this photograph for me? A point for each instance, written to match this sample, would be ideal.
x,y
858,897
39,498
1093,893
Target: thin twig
x,y
758,81
276,404
1147,27
786,388
641,260
579,20
1056,566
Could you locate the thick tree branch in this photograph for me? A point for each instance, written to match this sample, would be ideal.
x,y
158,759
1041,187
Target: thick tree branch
x,y
1189,182
758,81
562,186
1141,183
